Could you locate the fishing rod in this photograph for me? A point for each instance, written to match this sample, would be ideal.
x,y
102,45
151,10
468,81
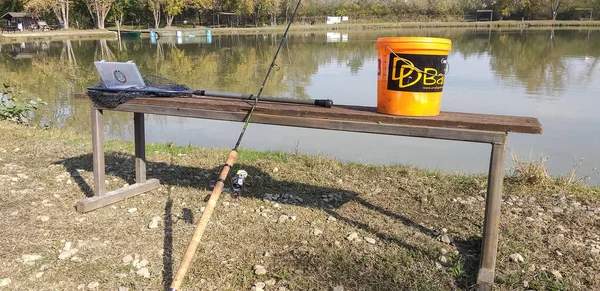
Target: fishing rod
x,y
318,102
214,196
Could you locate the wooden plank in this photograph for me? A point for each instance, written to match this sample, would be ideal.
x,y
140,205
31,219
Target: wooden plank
x,y
92,203
140,147
340,125
98,151
485,122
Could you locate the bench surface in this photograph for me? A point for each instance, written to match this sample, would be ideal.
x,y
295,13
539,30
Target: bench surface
x,y
450,120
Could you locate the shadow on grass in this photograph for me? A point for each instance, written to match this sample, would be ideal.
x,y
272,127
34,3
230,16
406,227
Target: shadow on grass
x,y
123,166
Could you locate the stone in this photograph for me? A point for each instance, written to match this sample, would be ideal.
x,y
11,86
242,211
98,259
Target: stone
x,y
353,236
143,272
531,268
438,266
154,222
81,287
560,197
594,252
443,251
557,210
270,282
121,275
132,210
317,231
275,170
5,282
143,263
76,259
39,275
67,254
370,240
254,288
260,285
443,259
226,203
337,243
525,284
517,258
529,219
43,218
93,285
67,246
282,218
444,230
293,218
30,259
14,213
557,274
122,288
331,218
481,199
260,270
127,259
445,239
202,209
338,288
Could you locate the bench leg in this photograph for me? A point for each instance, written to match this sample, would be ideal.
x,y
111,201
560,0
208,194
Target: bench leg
x,y
101,198
140,147
98,152
487,267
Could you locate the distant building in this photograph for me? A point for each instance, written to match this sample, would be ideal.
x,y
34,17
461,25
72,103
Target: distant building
x,y
21,20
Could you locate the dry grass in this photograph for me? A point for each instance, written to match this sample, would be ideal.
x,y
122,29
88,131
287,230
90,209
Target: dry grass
x,y
402,208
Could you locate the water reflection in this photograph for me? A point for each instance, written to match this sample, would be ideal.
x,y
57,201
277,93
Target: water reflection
x,y
493,71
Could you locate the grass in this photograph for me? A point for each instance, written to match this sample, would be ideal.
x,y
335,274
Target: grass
x,y
402,208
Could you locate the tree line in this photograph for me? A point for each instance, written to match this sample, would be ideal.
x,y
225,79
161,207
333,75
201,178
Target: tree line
x,y
163,13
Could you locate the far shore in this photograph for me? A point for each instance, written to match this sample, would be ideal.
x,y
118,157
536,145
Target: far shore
x,y
111,32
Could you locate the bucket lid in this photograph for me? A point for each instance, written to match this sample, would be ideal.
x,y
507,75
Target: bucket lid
x,y
414,40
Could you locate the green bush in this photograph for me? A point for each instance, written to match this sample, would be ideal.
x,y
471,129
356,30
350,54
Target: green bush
x,y
15,110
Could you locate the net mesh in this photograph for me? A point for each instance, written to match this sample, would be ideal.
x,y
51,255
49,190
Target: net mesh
x,y
154,84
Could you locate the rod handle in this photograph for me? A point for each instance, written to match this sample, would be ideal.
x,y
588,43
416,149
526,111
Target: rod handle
x,y
324,102
201,226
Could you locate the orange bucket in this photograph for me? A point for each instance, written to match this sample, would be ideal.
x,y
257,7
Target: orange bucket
x,y
411,73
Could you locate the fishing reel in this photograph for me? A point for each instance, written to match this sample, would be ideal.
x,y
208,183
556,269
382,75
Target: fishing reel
x,y
237,183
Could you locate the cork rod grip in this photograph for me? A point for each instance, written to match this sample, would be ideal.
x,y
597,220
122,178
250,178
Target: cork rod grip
x,y
210,207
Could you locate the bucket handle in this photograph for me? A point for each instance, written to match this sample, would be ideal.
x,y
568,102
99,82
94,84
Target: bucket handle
x,y
419,70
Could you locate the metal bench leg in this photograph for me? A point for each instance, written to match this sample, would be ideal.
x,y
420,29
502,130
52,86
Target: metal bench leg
x,y
487,267
101,198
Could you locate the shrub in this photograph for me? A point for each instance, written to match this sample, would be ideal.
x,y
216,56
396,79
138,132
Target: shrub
x,y
15,110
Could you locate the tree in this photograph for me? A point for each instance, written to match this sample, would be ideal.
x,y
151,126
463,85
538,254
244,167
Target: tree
x,y
172,9
10,5
99,10
124,7
555,5
155,7
59,7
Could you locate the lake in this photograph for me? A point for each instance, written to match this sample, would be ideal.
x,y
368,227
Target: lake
x,y
548,74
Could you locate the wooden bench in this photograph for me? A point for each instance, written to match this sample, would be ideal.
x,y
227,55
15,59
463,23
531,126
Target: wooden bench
x,y
10,29
478,128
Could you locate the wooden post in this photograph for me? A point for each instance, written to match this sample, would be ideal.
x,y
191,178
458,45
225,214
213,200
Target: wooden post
x,y
140,147
119,34
98,151
487,267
